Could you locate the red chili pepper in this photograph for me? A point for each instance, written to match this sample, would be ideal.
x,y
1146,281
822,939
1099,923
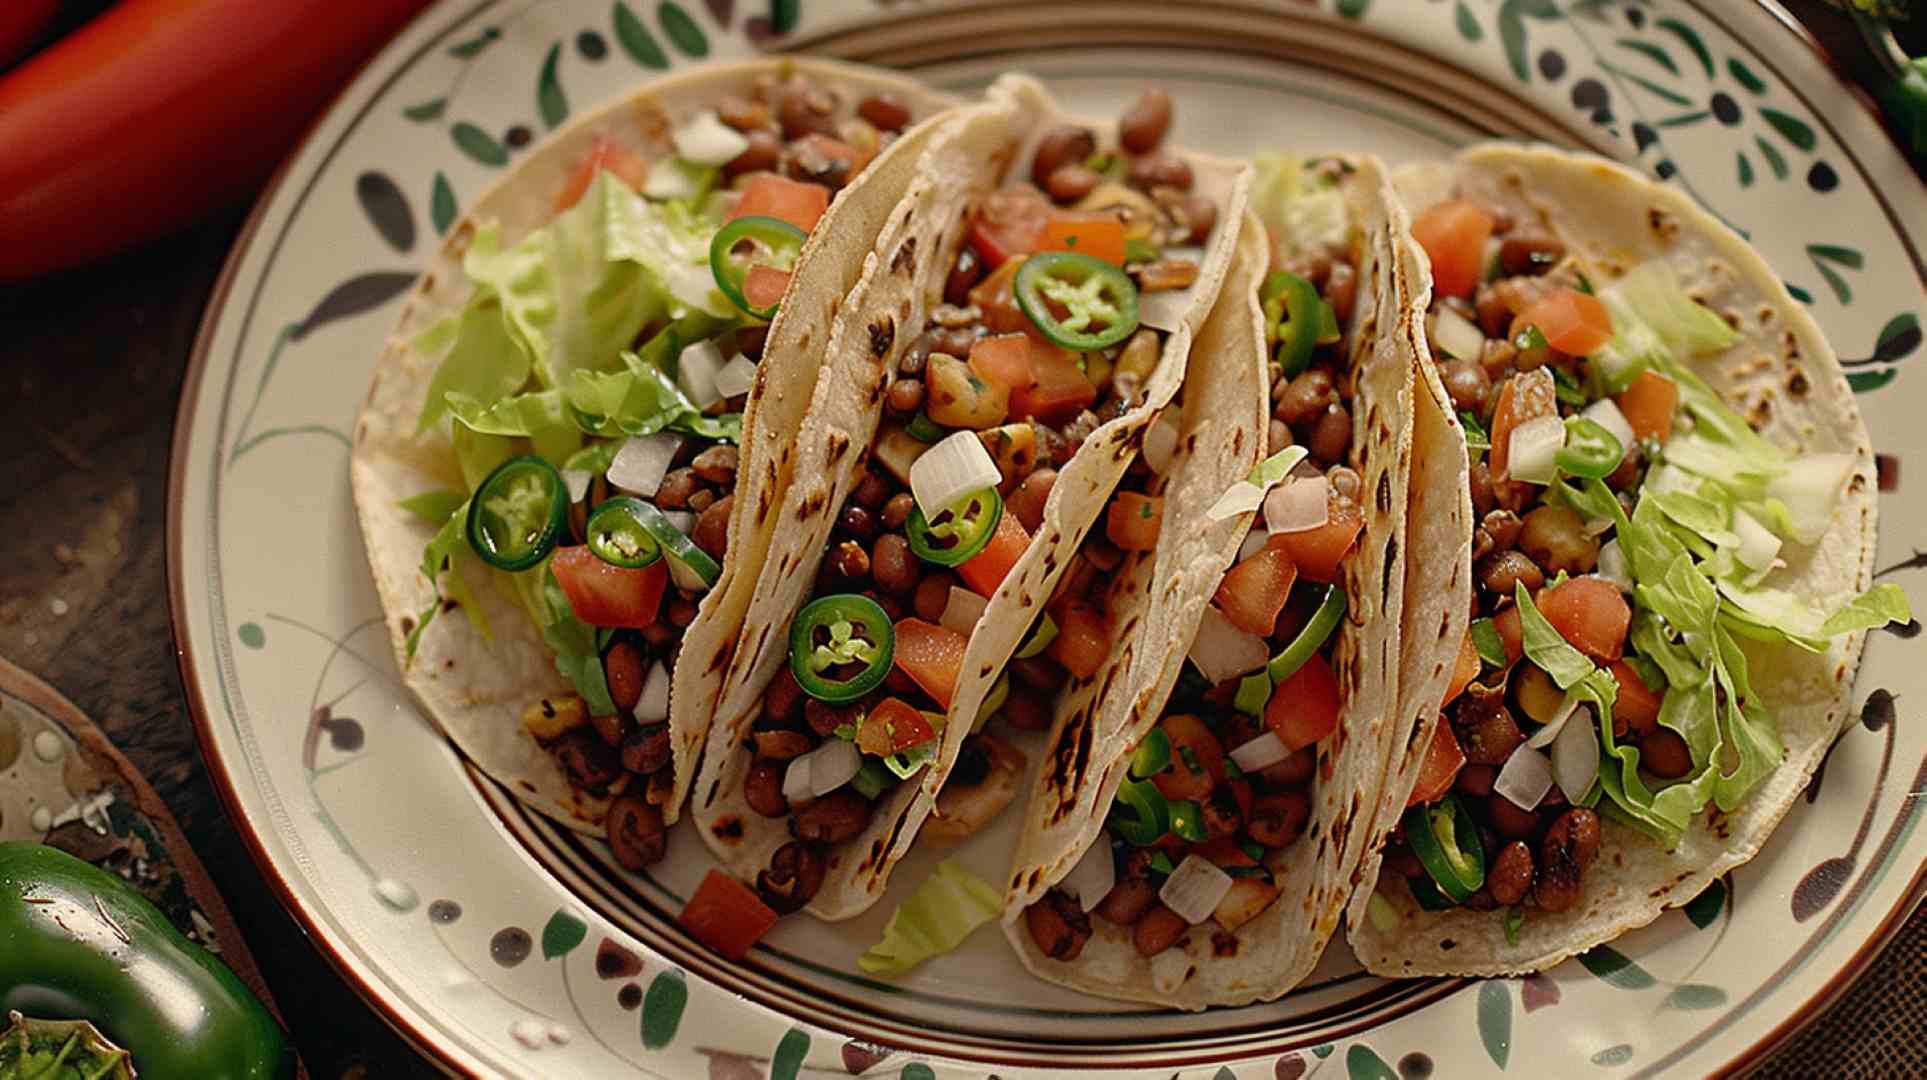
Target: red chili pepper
x,y
160,110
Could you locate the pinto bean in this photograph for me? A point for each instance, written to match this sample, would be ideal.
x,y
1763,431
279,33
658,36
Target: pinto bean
x,y
1294,771
791,880
832,819
1038,672
1219,813
781,699
1305,398
717,464
676,488
1058,926
647,749
897,510
1565,852
590,764
1510,821
849,561
1278,436
805,110
781,744
824,718
763,788
856,523
1665,754
1278,819
1341,291
1161,170
1157,929
1468,384
893,564
1072,182
1128,900
1528,252
1500,572
1476,780
1555,537
763,154
622,668
1026,503
1065,144
933,595
1511,874
1144,124
636,833
964,276
1332,437
1487,733
712,528
885,112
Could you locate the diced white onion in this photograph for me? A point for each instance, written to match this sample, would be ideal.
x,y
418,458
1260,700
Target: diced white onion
x,y
837,762
1222,651
673,179
643,461
1165,309
1260,753
706,140
1575,756
1161,442
1094,875
653,706
1191,252
1240,498
1605,412
1596,526
796,778
1452,332
1543,737
1809,489
1758,546
686,579
1194,889
1613,566
1526,778
962,611
1254,543
696,372
736,377
1533,445
1298,505
683,520
950,470
577,481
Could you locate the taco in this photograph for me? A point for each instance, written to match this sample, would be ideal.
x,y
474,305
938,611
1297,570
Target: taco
x,y
1665,509
986,386
597,379
1204,801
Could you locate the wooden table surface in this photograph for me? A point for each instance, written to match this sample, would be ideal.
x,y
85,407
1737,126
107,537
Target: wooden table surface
x,y
91,367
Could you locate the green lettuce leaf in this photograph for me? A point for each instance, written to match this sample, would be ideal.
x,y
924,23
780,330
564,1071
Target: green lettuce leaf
x,y
438,566
949,904
537,416
1652,294
574,642
434,506
481,360
1545,647
1302,209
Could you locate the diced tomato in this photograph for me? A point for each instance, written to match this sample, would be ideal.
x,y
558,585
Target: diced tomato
x,y
602,594
1443,760
1254,591
1523,397
1002,360
1058,391
1223,852
1511,633
1573,322
1590,613
891,725
1636,705
1083,638
932,656
1463,671
1453,235
1098,235
604,153
763,286
1133,521
995,296
1241,794
1304,708
1317,552
1008,222
726,916
1648,405
986,570
795,201
1191,741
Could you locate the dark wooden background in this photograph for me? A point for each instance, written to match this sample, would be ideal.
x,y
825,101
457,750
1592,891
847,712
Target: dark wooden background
x,y
91,366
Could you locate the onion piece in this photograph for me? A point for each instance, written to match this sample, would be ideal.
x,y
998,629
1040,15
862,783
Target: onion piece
x,y
1758,546
653,706
1194,889
1613,566
1166,308
643,461
1161,442
1575,756
833,764
1810,489
1452,332
1261,753
683,520
1253,544
1543,737
1224,652
796,778
706,140
1605,412
674,178
963,610
1534,443
1526,778
577,481
696,372
1092,879
736,377
1596,526
951,470
1240,498
1298,505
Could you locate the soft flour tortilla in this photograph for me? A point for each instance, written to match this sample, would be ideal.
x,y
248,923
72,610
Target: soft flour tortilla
x,y
1786,381
881,317
1225,421
475,688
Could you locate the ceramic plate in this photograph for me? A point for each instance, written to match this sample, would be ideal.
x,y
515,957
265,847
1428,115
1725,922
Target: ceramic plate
x,y
503,945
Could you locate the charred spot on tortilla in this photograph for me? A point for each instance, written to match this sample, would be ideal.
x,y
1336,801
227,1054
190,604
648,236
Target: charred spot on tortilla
x,y
1391,554
839,444
1797,384
812,505
728,828
1224,944
904,261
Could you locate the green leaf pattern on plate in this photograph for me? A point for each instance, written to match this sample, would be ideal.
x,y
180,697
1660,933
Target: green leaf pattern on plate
x,y
563,933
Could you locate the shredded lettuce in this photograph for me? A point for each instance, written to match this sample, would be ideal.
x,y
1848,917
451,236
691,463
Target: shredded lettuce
x,y
946,908
1303,210
1652,292
536,416
434,506
437,556
574,641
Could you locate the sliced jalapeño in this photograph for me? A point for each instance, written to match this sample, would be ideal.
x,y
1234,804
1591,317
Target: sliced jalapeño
x,y
777,243
841,647
960,532
518,513
1077,301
